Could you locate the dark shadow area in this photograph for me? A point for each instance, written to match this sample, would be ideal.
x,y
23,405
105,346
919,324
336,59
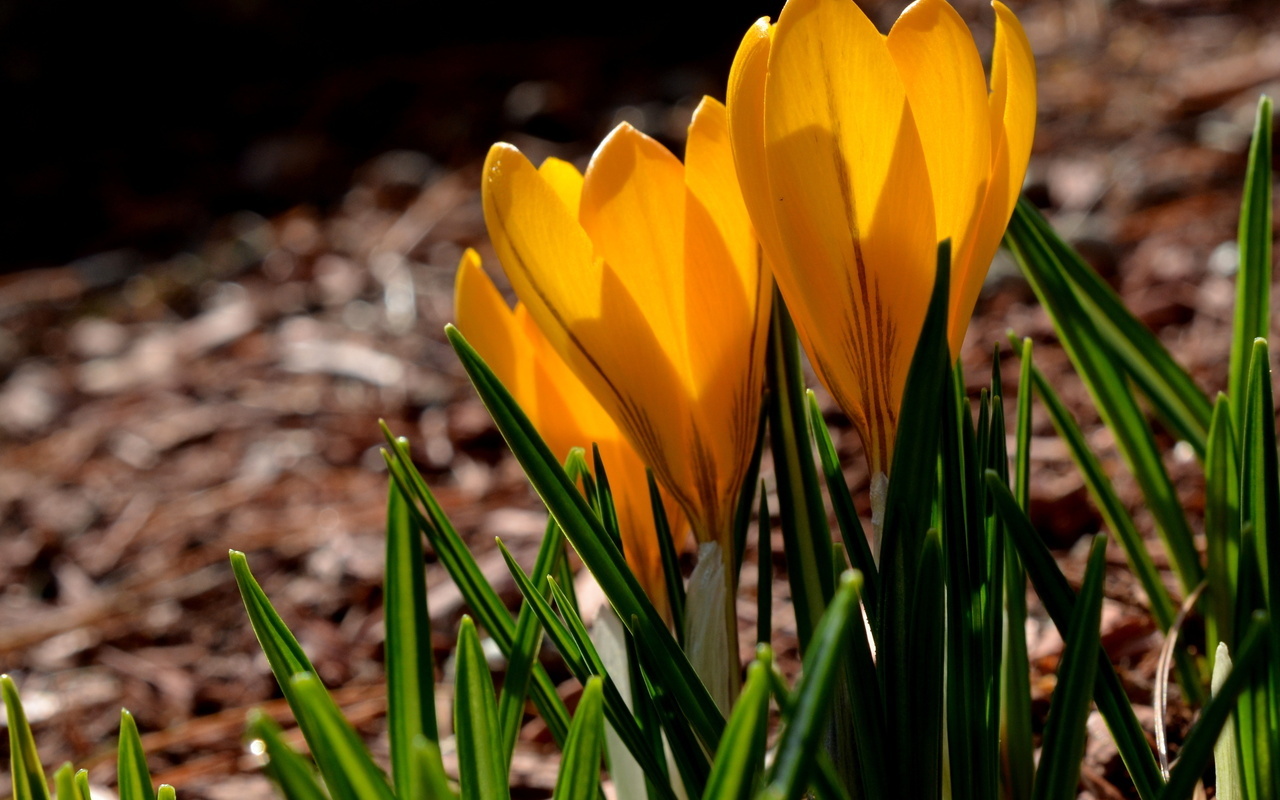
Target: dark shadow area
x,y
138,124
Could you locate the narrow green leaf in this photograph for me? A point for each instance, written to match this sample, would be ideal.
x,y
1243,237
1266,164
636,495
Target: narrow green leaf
x,y
1226,750
462,568
284,655
82,783
684,747
764,572
579,777
673,578
290,772
1260,478
482,772
315,711
742,515
24,762
798,746
925,673
527,642
1221,524
1119,522
740,759
1197,750
64,784
410,670
429,768
966,711
1058,599
344,763
599,554
1017,746
584,662
1260,509
1064,734
991,597
851,531
132,776
1111,327
805,535
604,499
1108,502
1252,318
617,649
1087,346
908,514
166,792
1022,469
1251,714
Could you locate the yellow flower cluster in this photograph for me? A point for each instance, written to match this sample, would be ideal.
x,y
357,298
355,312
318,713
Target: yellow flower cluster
x,y
844,157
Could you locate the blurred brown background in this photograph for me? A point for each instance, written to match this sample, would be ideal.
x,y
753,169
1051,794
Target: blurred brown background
x,y
231,228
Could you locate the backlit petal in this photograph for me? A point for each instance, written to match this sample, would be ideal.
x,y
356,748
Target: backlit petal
x,y
485,319
598,318
947,89
565,180
848,178
633,210
1012,119
726,312
746,128
565,414
1013,96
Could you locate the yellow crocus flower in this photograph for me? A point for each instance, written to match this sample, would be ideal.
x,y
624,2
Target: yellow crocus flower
x,y
858,153
646,278
562,410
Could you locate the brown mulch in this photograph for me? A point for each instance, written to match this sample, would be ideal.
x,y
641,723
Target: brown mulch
x,y
154,416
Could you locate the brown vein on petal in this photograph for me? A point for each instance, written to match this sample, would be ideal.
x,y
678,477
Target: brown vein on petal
x,y
865,351
635,418
704,471
743,420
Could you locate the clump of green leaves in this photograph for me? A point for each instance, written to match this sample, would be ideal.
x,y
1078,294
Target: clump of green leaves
x,y
1233,438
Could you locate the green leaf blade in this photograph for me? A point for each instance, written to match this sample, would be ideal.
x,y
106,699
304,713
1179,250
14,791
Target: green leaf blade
x,y
1064,738
26,772
1252,319
482,772
132,776
410,669
579,777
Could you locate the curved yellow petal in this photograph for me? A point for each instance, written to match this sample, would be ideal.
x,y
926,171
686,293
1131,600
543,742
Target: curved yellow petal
x,y
1011,120
947,89
484,318
565,414
727,303
1013,96
596,316
746,129
848,180
565,180
633,210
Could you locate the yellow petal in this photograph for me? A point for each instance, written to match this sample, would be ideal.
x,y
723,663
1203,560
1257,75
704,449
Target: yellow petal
x,y
848,178
1012,119
565,414
485,319
565,180
1013,96
947,89
633,210
746,129
727,306
587,308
